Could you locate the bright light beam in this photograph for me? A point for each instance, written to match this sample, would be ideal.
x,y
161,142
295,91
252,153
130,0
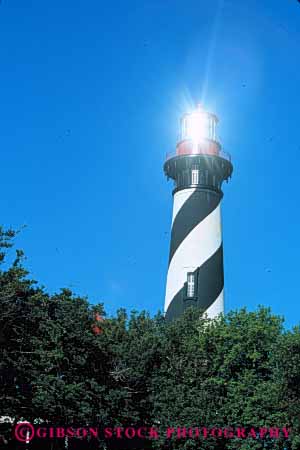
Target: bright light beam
x,y
198,126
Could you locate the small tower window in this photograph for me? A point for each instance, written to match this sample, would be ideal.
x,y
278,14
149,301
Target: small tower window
x,y
195,176
190,285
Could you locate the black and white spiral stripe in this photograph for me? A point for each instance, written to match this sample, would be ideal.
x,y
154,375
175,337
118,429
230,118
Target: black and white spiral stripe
x,y
196,247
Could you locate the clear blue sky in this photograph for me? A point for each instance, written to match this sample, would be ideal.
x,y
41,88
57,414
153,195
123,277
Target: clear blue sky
x,y
91,94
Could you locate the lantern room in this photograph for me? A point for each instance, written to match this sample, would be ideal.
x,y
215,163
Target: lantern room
x,y
198,133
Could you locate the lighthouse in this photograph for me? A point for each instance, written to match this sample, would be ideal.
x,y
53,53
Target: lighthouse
x,y
198,168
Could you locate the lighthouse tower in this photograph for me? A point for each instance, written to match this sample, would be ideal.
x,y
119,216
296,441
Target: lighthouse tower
x,y
195,272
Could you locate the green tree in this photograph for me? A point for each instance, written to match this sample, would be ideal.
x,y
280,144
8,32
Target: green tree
x,y
241,370
221,373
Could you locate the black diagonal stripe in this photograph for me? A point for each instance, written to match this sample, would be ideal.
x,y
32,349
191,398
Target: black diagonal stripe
x,y
209,284
199,205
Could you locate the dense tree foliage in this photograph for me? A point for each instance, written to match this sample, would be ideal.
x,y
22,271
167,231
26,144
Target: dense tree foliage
x,y
242,370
